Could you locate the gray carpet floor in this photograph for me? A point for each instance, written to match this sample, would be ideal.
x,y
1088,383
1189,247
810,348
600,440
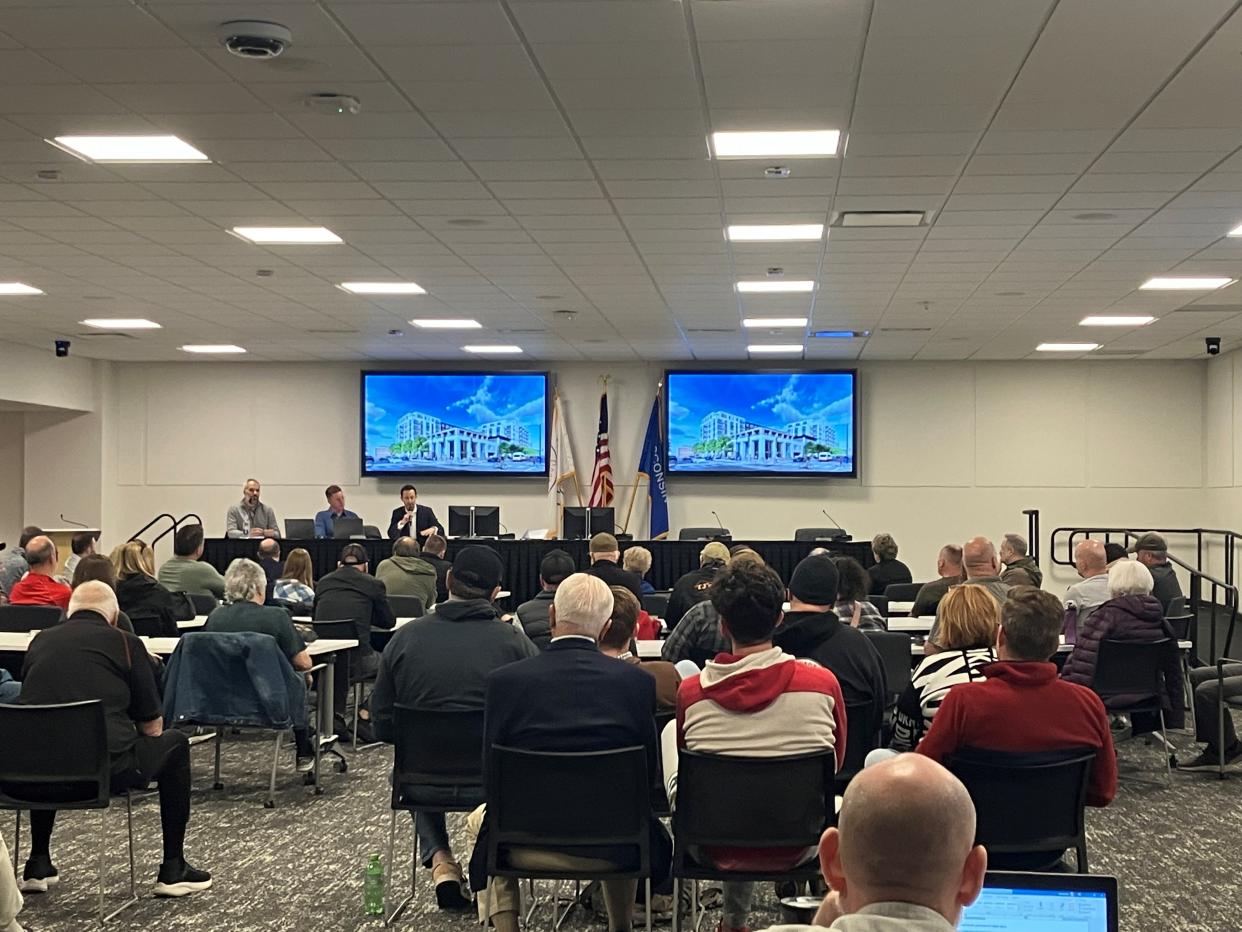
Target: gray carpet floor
x,y
1177,850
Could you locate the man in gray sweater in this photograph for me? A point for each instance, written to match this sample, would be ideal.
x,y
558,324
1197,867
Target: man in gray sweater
x,y
440,662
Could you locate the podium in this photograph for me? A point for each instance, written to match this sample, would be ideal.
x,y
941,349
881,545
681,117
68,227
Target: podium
x,y
63,537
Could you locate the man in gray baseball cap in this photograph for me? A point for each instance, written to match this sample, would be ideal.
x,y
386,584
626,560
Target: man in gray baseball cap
x,y
1153,552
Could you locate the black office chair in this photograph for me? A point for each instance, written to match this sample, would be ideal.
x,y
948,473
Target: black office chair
x,y
902,591
1177,606
895,653
22,618
820,533
862,736
538,800
1133,669
346,630
204,602
703,533
371,532
406,606
56,757
656,603
437,767
726,801
880,602
1028,806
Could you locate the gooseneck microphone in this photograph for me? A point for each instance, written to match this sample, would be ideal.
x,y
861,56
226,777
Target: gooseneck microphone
x,y
835,522
718,521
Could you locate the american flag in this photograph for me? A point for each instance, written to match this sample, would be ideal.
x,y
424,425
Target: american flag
x,y
601,475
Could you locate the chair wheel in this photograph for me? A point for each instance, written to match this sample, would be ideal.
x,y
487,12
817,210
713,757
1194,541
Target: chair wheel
x,y
269,804
342,766
217,786
319,791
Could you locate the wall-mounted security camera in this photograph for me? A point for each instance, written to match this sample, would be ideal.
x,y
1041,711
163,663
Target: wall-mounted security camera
x,y
1213,345
62,348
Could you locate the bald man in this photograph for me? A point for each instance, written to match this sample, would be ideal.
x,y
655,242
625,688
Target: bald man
x,y
1091,561
38,587
982,566
902,856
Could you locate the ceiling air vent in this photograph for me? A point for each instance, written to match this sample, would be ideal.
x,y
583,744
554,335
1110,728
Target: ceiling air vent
x,y
881,218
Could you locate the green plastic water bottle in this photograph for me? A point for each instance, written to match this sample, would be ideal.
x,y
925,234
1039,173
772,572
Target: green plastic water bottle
x,y
373,887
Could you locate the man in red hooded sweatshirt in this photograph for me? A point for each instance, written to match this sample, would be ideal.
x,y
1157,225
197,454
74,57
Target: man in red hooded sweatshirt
x,y
754,701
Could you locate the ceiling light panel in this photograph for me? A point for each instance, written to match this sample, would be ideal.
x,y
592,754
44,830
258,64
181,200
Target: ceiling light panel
x,y
1174,283
774,348
774,322
1115,320
490,349
18,288
448,324
775,232
382,288
287,236
129,148
120,323
1066,347
795,144
211,348
776,286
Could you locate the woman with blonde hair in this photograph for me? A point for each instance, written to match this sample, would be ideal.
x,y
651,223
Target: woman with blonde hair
x,y
296,585
151,608
966,623
638,560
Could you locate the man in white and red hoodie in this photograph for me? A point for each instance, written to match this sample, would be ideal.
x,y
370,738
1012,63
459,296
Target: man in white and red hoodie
x,y
754,701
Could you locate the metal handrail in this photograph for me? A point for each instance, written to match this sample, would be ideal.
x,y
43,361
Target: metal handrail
x,y
174,524
1223,598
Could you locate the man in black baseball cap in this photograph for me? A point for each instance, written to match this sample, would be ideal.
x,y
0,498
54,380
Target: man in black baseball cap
x,y
1153,552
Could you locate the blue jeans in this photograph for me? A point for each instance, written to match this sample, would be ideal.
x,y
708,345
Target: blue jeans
x,y
10,689
430,827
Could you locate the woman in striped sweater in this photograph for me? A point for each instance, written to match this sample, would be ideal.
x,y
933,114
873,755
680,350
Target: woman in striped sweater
x,y
966,623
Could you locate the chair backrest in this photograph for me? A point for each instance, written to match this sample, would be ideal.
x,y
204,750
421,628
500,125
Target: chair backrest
x,y
1131,668
819,533
436,749
902,591
1180,625
299,528
548,799
343,629
1177,606
656,603
862,736
55,756
894,650
702,533
20,618
752,802
406,606
880,602
1025,801
204,602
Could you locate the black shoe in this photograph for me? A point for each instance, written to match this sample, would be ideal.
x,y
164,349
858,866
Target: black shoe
x,y
1210,759
305,763
178,878
40,873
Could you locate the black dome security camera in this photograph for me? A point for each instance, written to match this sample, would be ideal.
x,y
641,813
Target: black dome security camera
x,y
1213,345
62,348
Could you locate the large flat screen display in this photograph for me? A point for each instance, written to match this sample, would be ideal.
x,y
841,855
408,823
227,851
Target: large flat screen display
x,y
762,423
474,423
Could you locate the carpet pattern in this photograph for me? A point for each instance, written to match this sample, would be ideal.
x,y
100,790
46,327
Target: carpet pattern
x,y
299,866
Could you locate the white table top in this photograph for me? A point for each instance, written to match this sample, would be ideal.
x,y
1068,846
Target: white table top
x,y
306,620
650,650
197,621
912,625
900,608
20,641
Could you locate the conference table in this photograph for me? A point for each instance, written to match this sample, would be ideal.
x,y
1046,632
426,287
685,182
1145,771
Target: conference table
x,y
670,559
650,649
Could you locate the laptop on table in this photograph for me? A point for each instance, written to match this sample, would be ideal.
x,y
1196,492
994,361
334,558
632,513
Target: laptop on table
x,y
299,528
1023,902
347,528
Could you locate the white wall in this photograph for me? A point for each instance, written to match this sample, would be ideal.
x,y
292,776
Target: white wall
x,y
947,450
12,473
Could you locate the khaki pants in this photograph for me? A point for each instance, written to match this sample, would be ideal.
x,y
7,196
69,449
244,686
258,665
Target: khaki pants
x,y
10,896
503,894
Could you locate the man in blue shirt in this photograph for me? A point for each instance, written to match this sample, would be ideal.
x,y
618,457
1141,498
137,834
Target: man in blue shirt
x,y
325,521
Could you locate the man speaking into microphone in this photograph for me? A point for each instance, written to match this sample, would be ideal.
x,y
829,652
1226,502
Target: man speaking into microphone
x,y
412,519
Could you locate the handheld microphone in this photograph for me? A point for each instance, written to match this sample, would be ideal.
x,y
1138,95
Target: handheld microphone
x,y
74,523
718,521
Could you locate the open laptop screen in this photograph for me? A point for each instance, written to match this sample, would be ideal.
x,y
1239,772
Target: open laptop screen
x,y
1016,902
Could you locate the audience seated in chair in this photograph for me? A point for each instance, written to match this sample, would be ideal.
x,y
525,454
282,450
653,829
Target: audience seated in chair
x,y
887,569
1130,614
852,606
1208,692
949,573
152,608
691,589
1023,705
570,697
605,554
296,586
1083,598
1020,569
96,566
555,567
39,587
434,549
902,857
1153,552
186,571
697,636
618,641
983,567
637,560
753,701
13,565
440,663
406,573
811,629
82,545
86,657
244,586
269,561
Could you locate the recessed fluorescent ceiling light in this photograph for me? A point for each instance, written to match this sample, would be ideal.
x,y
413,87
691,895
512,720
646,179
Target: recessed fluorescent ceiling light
x,y
211,348
770,286
286,235
796,144
882,218
492,349
835,334
129,148
382,288
1066,347
750,322
448,324
775,232
1236,231
18,288
1118,320
774,348
120,323
1171,283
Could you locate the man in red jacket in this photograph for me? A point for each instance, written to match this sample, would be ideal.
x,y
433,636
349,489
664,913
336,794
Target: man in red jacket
x,y
38,587
1023,705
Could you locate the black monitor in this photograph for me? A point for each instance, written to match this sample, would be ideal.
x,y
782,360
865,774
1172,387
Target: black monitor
x,y
584,523
348,528
474,520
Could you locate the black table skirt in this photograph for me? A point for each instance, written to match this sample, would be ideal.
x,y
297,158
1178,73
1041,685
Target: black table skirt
x,y
670,559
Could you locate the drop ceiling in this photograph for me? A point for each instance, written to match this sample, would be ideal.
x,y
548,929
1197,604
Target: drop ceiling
x,y
522,158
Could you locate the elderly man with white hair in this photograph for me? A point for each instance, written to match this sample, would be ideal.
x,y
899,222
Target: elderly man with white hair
x,y
245,587
1130,614
88,657
570,697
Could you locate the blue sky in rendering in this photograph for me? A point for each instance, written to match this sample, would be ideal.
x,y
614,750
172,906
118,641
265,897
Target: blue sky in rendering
x,y
464,400
767,399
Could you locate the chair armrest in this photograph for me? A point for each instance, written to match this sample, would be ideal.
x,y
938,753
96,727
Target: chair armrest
x,y
317,667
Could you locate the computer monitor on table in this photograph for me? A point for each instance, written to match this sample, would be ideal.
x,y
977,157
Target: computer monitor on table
x,y
299,528
474,520
348,528
1023,902
584,523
